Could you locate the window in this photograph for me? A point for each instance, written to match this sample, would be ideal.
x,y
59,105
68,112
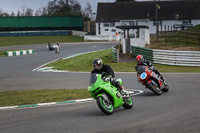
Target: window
x,y
113,30
158,23
111,24
185,22
106,25
133,23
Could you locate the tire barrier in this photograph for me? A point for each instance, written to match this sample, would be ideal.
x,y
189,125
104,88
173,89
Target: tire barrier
x,y
147,53
20,52
115,54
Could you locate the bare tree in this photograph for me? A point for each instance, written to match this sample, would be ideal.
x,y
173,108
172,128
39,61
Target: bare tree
x,y
38,12
23,10
88,11
29,12
26,11
12,14
4,14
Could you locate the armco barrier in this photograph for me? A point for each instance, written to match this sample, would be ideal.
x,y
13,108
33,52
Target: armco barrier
x,y
178,58
20,52
168,57
36,33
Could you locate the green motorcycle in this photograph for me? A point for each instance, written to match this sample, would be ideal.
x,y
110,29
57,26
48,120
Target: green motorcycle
x,y
107,96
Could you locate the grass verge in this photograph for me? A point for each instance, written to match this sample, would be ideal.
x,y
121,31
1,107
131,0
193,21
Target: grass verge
x,y
3,54
27,40
84,63
24,97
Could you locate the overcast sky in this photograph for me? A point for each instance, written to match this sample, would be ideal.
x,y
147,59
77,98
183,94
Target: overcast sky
x,y
15,5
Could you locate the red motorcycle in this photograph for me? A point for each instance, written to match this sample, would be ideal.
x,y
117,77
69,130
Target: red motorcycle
x,y
151,80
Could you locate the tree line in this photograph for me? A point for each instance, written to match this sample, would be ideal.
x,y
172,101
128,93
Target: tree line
x,y
55,8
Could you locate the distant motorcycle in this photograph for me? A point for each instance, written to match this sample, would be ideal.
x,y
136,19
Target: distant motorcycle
x,y
53,47
151,80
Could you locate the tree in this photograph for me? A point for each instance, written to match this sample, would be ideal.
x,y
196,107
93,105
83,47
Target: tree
x,y
29,12
63,8
25,11
12,14
87,13
38,12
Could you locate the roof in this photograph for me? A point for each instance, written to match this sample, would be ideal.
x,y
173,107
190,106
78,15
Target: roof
x,y
114,12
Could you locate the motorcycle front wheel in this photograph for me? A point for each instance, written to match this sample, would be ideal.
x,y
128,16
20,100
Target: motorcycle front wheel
x,y
105,105
166,88
128,103
154,88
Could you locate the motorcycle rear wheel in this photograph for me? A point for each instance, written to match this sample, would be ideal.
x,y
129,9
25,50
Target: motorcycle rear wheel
x,y
128,103
154,88
105,106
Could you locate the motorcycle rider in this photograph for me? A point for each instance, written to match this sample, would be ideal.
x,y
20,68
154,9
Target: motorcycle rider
x,y
141,61
58,44
101,68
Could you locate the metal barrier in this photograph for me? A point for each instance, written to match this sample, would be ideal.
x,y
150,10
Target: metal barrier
x,y
36,33
168,57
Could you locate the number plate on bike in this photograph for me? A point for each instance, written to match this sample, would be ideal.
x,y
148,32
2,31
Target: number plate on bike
x,y
143,75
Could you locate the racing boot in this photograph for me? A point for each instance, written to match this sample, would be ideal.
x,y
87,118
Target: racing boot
x,y
123,92
163,79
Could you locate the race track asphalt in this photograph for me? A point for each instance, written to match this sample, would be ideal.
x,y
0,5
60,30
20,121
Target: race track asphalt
x,y
176,111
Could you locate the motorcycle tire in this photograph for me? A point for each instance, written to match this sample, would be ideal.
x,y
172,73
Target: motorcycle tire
x,y
154,88
166,88
128,103
105,106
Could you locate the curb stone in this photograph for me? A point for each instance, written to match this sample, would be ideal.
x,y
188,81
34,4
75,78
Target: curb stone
x,y
54,103
46,104
20,52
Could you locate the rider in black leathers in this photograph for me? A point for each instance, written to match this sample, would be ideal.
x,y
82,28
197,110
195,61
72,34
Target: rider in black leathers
x,y
101,68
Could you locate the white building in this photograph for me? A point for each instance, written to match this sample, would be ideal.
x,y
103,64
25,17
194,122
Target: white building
x,y
169,15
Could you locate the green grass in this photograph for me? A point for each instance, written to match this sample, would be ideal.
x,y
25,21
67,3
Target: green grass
x,y
24,97
13,41
84,63
3,54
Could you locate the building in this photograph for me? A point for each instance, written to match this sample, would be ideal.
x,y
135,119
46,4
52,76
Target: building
x,y
157,15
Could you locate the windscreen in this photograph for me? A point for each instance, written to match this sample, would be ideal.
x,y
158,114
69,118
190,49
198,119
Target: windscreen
x,y
93,78
140,69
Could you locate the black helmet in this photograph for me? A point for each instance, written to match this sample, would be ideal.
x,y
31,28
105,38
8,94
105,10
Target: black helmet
x,y
97,63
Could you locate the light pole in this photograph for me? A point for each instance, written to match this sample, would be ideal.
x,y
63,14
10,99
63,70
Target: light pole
x,y
157,8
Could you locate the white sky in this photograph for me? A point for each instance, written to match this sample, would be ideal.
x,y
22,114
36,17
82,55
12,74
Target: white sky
x,y
15,5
